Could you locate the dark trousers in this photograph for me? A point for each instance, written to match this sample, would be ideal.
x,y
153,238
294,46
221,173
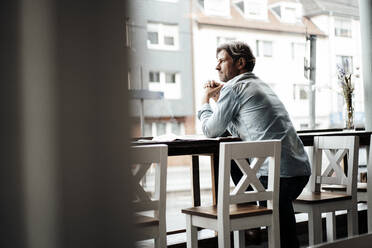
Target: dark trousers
x,y
290,189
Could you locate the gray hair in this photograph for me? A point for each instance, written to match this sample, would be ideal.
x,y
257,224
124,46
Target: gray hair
x,y
239,49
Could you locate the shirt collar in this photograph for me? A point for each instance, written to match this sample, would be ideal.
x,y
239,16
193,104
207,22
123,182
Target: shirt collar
x,y
245,75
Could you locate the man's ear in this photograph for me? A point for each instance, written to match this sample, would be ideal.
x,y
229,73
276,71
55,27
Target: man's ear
x,y
241,63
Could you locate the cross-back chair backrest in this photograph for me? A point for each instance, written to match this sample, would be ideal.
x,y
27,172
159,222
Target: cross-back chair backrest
x,y
142,157
258,152
337,149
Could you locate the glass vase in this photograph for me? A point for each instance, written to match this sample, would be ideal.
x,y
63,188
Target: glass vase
x,y
349,114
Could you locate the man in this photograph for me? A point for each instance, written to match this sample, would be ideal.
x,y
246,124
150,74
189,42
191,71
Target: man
x,y
248,108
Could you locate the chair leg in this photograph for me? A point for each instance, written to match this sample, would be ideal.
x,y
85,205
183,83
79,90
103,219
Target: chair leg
x,y
315,227
191,233
352,222
331,226
239,239
224,236
161,241
273,233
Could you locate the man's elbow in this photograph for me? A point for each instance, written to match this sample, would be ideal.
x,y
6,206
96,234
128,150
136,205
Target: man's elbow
x,y
210,133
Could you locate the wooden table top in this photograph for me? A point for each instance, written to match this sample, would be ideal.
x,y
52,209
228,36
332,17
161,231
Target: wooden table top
x,y
199,144
307,136
195,144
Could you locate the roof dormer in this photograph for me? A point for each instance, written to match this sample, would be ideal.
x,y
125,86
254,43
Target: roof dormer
x,y
252,9
216,7
288,12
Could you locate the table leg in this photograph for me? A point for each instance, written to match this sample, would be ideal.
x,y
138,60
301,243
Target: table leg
x,y
214,173
195,181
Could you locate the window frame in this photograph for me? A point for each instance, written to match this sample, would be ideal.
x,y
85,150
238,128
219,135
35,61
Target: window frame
x,y
213,8
158,76
171,90
338,29
257,9
163,30
153,126
260,48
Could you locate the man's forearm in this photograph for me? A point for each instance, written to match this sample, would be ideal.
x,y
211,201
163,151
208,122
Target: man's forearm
x,y
205,100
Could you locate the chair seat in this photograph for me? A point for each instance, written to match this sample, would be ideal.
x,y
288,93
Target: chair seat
x,y
319,197
236,211
142,220
362,187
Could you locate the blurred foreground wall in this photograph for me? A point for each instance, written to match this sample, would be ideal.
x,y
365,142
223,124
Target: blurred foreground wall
x,y
64,125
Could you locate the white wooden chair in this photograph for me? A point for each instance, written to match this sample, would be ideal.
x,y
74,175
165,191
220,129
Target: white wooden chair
x,y
142,157
232,212
362,194
361,190
317,202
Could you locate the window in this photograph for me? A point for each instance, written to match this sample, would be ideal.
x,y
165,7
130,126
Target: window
x,y
176,128
170,78
128,30
216,7
162,36
290,15
148,130
298,50
221,40
169,40
256,9
277,10
153,37
159,127
167,82
154,76
289,12
342,27
300,92
264,48
346,62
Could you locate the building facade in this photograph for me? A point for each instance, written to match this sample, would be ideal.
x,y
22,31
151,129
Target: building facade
x,y
158,37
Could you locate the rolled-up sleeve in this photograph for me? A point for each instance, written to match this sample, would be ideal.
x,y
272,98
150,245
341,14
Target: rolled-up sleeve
x,y
215,123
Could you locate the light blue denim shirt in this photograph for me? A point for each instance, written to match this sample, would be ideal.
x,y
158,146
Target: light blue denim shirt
x,y
248,108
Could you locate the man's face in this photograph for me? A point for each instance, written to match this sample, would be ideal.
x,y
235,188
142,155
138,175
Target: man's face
x,y
225,66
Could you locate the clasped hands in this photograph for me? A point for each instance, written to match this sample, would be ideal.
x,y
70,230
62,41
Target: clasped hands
x,y
212,90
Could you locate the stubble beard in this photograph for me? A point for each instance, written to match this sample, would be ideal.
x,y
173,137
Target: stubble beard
x,y
223,78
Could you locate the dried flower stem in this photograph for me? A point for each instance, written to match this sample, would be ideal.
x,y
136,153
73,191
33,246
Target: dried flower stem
x,y
348,89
